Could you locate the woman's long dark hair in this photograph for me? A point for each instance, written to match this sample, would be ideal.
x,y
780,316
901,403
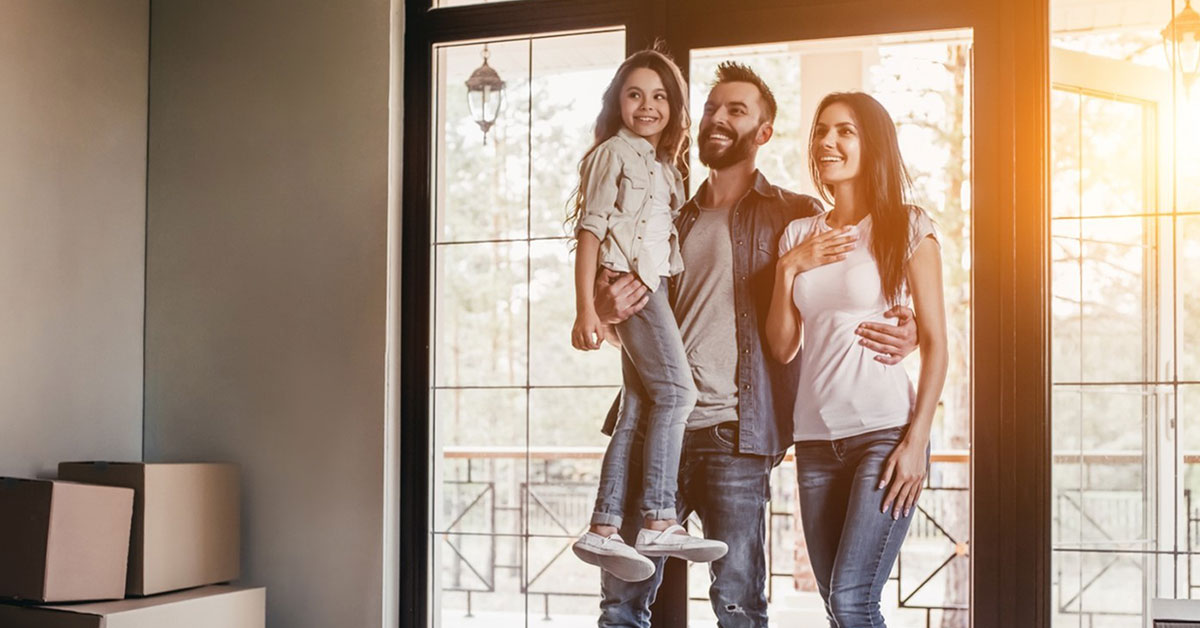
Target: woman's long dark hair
x,y
672,145
883,184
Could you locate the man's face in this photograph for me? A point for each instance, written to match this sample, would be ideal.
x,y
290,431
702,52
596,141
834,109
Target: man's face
x,y
732,127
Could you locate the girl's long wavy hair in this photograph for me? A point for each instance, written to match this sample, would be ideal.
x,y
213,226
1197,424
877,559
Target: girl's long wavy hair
x,y
672,145
883,184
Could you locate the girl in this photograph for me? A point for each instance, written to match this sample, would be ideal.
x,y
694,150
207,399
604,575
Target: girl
x,y
629,194
862,433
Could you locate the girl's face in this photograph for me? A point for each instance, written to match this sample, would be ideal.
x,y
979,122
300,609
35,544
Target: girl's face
x,y
644,106
836,146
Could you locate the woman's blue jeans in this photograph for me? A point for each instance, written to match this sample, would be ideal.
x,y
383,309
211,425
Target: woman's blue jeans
x,y
652,352
852,545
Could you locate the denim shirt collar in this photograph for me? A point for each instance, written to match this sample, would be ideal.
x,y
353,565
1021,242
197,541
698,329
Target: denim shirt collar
x,y
761,187
640,144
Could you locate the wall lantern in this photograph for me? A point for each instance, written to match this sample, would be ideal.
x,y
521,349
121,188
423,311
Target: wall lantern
x,y
1181,39
485,95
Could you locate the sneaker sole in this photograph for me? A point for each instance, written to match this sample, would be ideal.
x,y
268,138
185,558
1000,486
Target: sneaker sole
x,y
622,568
694,554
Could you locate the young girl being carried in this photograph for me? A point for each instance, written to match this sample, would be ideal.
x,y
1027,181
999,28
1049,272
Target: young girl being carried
x,y
630,192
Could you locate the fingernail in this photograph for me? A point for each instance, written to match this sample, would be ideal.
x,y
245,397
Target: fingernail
x,y
906,511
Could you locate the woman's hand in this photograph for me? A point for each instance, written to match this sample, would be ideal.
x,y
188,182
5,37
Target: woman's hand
x,y
588,332
905,472
818,250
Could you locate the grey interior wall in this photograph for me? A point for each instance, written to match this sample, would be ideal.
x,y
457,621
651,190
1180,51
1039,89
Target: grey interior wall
x,y
266,282
72,230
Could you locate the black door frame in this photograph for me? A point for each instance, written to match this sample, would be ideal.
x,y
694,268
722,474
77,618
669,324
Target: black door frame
x,y
1010,509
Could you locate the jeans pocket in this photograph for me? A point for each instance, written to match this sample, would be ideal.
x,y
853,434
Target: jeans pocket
x,y
725,435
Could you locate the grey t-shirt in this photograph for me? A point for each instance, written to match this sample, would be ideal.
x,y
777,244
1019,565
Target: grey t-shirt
x,y
704,308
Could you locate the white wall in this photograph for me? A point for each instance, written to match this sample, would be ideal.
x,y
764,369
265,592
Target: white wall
x,y
266,282
72,231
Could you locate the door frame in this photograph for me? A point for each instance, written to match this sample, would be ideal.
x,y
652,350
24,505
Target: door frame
x,y
1010,434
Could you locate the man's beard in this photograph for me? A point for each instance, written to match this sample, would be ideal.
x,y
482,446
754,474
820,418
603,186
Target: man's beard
x,y
717,159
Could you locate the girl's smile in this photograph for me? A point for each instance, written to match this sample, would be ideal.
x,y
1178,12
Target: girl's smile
x,y
644,106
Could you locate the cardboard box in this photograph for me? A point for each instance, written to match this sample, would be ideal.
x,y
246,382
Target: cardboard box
x,y
61,541
186,521
207,607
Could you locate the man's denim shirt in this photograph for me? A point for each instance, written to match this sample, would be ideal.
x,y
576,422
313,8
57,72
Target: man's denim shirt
x,y
766,388
618,195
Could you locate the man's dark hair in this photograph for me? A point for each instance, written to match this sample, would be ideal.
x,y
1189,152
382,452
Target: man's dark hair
x,y
732,71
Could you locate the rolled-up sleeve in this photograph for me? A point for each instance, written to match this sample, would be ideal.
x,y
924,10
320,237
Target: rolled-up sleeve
x,y
601,180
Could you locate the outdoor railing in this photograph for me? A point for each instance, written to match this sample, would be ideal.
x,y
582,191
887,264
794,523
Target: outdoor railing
x,y
547,493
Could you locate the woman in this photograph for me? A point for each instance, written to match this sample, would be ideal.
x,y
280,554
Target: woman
x,y
861,431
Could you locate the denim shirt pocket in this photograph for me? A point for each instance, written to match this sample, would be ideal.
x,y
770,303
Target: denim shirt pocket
x,y
764,253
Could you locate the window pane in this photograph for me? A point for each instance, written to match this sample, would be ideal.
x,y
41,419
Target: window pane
x,y
480,438
1066,244
1111,158
1187,247
1115,309
1064,153
480,316
481,190
553,361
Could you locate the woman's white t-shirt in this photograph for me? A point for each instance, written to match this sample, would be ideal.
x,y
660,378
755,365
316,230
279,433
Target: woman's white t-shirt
x,y
843,390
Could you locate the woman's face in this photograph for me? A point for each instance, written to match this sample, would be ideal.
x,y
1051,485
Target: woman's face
x,y
836,146
644,106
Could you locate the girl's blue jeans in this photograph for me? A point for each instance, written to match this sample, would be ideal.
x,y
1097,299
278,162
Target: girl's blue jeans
x,y
852,545
653,360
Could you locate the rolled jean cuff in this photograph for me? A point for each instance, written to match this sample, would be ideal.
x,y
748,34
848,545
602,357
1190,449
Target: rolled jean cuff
x,y
659,515
606,519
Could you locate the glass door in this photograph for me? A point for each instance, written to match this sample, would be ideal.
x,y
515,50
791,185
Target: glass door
x,y
498,464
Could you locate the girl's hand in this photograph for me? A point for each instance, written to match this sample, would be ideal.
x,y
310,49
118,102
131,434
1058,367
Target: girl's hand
x,y
588,332
819,250
905,471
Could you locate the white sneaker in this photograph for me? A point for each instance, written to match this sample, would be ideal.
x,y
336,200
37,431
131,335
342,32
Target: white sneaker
x,y
675,541
611,554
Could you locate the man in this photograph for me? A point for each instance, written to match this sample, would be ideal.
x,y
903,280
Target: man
x,y
742,424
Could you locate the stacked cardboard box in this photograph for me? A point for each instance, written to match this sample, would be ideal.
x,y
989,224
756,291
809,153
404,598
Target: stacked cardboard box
x,y
159,533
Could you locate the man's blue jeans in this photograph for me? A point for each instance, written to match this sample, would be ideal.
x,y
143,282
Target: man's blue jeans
x,y
653,361
729,491
852,545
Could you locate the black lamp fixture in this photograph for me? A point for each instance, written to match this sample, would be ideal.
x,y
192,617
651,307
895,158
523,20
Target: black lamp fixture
x,y
1181,40
485,94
